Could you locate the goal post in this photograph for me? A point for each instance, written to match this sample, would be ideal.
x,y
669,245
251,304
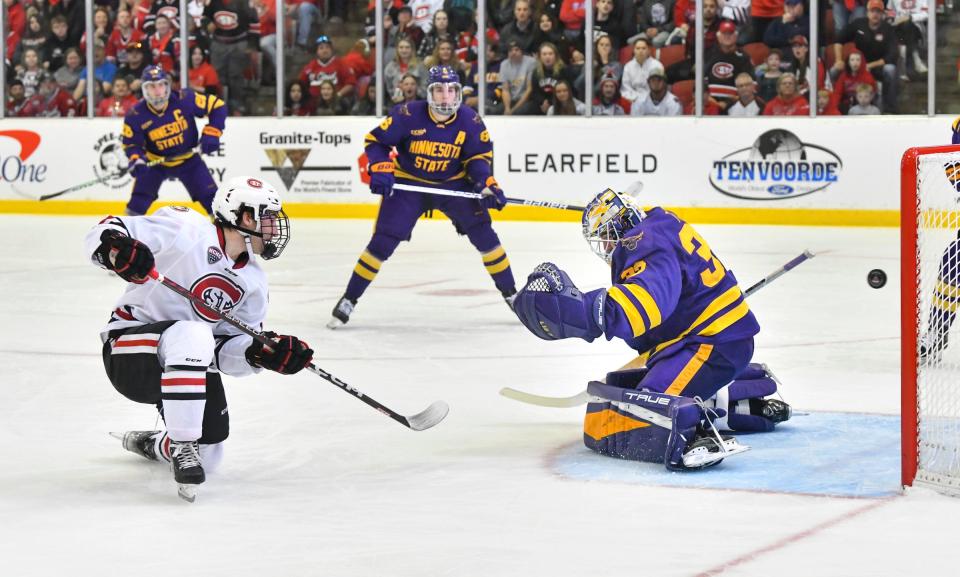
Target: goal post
x,y
930,300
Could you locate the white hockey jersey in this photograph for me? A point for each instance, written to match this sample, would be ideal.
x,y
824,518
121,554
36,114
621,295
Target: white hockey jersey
x,y
189,250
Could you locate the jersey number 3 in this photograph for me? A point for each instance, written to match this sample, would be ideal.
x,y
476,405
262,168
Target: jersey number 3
x,y
693,242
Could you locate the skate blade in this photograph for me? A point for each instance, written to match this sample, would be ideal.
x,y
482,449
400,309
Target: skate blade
x,y
700,459
335,323
187,492
116,435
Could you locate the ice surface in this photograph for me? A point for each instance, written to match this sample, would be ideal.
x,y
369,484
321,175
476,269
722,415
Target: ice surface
x,y
316,483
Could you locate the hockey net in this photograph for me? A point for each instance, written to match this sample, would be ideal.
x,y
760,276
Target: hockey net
x,y
930,297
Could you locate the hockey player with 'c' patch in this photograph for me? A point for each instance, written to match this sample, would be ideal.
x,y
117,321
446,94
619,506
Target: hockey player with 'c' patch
x,y
674,302
443,144
161,349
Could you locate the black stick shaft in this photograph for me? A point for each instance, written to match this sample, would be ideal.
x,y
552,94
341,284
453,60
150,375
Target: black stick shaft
x,y
794,262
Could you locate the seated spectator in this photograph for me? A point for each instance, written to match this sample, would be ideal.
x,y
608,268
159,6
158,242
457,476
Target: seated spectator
x,y
16,24
605,64
409,90
788,101
548,72
516,73
607,102
123,34
49,100
103,71
723,63
440,30
119,102
297,100
655,21
165,46
659,101
564,103
404,30
35,35
494,103
29,71
910,25
137,60
461,13
876,39
366,104
329,103
521,30
68,75
826,105
864,105
202,76
16,98
326,66
57,43
102,29
405,62
794,22
798,63
768,74
683,70
853,75
549,30
572,16
747,103
446,54
607,22
635,73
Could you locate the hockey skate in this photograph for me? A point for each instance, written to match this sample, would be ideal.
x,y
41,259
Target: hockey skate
x,y
509,297
706,450
187,470
931,347
775,410
341,313
142,443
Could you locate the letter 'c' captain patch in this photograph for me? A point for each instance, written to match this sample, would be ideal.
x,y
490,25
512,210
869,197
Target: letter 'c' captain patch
x,y
213,255
218,292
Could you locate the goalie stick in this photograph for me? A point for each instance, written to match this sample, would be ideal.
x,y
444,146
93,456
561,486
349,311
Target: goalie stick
x,y
634,189
583,397
425,419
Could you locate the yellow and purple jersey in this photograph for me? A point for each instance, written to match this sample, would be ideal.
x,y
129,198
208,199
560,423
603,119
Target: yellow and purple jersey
x,y
172,133
669,287
441,153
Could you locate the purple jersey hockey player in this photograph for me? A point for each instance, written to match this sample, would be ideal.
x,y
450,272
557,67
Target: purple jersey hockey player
x,y
673,301
439,143
163,126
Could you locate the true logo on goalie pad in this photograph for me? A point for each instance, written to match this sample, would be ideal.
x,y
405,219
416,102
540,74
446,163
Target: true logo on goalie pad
x,y
218,292
647,398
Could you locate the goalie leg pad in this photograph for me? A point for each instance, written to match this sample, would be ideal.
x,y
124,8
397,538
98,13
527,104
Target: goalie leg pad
x,y
552,308
627,378
640,425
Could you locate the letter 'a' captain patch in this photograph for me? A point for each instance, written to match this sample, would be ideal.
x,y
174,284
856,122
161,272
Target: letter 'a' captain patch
x,y
213,255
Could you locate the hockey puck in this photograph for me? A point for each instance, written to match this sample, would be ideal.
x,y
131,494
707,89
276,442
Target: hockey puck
x,y
876,278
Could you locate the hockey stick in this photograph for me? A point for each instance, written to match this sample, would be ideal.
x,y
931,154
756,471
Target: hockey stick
x,y
425,419
82,185
633,189
583,397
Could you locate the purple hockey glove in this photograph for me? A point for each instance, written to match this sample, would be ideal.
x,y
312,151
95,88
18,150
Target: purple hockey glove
x,y
381,178
494,199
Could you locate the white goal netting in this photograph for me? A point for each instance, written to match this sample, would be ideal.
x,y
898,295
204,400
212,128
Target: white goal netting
x,y
938,345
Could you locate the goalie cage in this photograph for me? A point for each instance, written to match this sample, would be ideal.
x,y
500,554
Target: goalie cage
x,y
930,275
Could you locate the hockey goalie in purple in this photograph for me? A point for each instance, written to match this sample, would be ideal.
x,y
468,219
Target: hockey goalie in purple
x,y
162,126
443,144
673,301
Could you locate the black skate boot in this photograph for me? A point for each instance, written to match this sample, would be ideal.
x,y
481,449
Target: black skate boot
x,y
143,443
509,296
931,347
187,470
775,410
341,313
706,449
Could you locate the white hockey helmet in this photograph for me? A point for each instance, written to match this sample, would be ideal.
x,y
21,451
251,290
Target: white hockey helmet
x,y
248,194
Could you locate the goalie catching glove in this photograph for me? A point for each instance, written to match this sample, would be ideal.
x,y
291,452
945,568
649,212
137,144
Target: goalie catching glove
x,y
128,257
553,308
287,355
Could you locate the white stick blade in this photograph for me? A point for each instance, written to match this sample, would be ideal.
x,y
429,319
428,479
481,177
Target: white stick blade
x,y
559,402
429,417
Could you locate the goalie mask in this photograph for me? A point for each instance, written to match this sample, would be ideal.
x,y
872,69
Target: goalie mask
x,y
155,84
608,219
444,92
245,194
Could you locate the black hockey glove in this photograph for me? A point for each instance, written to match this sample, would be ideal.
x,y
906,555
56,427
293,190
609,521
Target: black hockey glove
x,y
288,355
128,257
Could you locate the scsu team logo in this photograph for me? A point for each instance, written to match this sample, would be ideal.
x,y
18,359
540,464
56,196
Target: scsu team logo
x,y
218,292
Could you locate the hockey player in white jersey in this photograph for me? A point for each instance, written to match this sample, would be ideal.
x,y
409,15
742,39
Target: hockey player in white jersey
x,y
159,348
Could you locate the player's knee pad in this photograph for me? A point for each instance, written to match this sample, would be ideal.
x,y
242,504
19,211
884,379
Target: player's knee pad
x,y
744,404
186,343
382,245
640,425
